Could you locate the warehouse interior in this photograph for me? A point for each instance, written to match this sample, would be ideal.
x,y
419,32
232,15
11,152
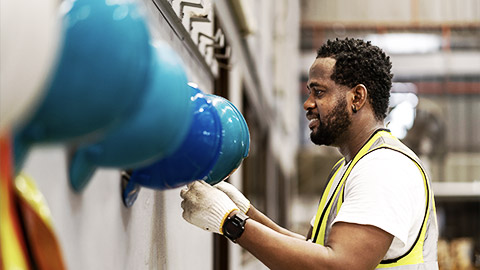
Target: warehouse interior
x,y
440,82
257,55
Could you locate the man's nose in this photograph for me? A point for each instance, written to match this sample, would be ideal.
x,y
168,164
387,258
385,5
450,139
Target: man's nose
x,y
309,103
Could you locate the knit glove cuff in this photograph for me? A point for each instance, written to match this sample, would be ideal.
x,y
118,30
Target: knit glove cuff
x,y
235,195
205,206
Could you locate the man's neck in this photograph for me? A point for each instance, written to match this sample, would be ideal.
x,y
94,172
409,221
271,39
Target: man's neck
x,y
356,139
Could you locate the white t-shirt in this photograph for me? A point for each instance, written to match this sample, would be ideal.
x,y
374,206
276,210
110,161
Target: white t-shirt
x,y
385,189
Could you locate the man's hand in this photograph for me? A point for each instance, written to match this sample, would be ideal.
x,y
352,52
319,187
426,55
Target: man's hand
x,y
235,195
205,206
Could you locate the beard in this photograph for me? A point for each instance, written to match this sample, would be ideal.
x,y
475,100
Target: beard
x,y
334,125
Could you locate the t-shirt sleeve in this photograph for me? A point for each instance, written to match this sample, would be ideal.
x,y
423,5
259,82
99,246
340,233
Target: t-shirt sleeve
x,y
384,190
312,221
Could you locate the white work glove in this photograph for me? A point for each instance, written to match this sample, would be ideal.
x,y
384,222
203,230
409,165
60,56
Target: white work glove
x,y
235,195
205,206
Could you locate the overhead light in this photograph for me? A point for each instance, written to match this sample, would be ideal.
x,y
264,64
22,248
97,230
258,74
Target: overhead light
x,y
401,119
406,43
403,104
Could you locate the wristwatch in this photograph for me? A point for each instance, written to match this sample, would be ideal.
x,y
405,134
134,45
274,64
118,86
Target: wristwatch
x,y
234,226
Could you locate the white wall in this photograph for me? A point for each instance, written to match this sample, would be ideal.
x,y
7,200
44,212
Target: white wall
x,y
96,231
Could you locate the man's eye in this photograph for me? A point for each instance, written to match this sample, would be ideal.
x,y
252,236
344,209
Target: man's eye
x,y
317,92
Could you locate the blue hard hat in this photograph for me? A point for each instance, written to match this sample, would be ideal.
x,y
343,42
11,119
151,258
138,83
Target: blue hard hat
x,y
235,143
100,76
196,156
155,130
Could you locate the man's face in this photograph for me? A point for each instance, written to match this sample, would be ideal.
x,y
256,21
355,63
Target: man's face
x,y
326,105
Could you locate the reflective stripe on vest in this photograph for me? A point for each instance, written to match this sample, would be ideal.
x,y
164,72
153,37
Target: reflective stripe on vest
x,y
423,253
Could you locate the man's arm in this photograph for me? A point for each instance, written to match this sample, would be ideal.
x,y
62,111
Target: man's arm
x,y
258,216
350,246
246,207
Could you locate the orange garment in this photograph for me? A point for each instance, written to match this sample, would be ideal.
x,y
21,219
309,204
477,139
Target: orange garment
x,y
27,239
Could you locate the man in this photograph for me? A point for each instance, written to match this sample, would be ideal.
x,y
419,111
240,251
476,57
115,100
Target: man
x,y
377,210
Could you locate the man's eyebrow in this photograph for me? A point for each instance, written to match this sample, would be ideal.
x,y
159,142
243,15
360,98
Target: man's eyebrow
x,y
313,84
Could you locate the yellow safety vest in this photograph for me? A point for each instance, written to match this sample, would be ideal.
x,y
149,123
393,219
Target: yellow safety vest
x,y
423,254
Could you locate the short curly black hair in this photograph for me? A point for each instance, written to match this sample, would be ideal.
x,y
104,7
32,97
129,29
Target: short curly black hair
x,y
360,62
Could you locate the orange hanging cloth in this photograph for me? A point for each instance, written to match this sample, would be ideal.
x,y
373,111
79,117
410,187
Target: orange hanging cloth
x,y
28,239
13,252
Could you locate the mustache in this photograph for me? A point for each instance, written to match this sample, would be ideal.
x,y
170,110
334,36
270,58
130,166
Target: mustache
x,y
310,114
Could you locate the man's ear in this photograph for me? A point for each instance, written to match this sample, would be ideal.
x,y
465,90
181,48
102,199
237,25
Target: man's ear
x,y
359,95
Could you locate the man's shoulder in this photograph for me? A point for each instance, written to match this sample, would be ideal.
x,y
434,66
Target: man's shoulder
x,y
385,166
386,157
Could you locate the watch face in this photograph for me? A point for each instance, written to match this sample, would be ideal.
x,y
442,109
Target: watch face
x,y
228,228
234,226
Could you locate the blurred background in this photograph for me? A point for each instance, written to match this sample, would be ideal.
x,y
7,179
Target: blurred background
x,y
257,55
435,51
